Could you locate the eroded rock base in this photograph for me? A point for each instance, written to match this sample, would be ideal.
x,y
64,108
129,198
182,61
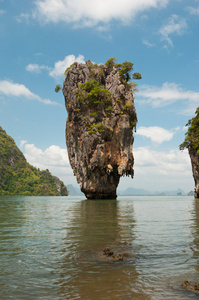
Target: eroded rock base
x,y
100,196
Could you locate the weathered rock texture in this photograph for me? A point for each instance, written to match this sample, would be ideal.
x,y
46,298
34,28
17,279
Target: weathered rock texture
x,y
191,142
101,118
194,156
195,169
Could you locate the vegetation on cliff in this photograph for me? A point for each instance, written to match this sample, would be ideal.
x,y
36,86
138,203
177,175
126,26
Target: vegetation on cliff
x,y
191,142
192,135
17,177
99,129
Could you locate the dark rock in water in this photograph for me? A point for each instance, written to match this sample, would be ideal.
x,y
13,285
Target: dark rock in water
x,y
101,118
108,252
118,257
191,142
191,287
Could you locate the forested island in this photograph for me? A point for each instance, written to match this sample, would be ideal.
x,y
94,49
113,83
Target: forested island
x,y
18,177
191,142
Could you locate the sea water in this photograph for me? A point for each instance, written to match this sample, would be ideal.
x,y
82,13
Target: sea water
x,y
52,247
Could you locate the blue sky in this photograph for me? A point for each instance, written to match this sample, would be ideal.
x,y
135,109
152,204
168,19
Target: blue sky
x,y
40,39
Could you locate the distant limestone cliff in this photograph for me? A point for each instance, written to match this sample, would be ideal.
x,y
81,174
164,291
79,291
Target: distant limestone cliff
x,y
101,118
191,142
17,177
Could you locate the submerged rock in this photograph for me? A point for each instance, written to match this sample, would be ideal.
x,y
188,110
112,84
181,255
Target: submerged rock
x,y
118,253
115,257
118,257
191,142
191,287
108,252
101,118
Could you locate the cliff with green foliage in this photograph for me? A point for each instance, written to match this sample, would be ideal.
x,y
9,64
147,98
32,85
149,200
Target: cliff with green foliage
x,y
101,119
17,177
191,142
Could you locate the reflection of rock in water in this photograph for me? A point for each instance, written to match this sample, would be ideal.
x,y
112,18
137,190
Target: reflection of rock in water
x,y
194,248
195,234
85,273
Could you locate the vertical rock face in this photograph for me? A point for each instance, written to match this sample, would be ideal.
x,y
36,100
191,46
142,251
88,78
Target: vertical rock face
x,y
101,118
195,169
191,142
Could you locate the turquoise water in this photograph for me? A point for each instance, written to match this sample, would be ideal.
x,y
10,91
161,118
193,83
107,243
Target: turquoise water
x,y
52,247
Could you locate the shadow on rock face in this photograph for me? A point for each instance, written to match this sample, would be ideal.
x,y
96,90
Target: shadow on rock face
x,y
101,118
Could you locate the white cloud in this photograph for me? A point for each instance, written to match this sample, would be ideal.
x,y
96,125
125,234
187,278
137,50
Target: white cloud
x,y
35,68
175,25
194,10
53,158
167,94
154,170
155,133
9,88
22,143
148,44
61,65
159,170
164,162
59,68
89,13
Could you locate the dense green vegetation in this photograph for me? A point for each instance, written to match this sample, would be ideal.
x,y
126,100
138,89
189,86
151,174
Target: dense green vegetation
x,y
94,93
192,135
17,177
124,69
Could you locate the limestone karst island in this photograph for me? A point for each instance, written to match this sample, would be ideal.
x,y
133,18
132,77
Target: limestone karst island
x,y
191,142
99,129
18,177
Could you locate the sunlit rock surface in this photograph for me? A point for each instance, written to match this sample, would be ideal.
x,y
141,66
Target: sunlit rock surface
x,y
101,118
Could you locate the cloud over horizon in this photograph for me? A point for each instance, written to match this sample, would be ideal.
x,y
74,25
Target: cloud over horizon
x,y
53,158
161,170
166,167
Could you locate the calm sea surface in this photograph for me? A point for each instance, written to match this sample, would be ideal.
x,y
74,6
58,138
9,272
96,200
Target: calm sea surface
x,y
52,247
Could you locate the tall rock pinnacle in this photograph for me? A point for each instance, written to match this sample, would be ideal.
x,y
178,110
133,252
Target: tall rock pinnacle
x,y
101,118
